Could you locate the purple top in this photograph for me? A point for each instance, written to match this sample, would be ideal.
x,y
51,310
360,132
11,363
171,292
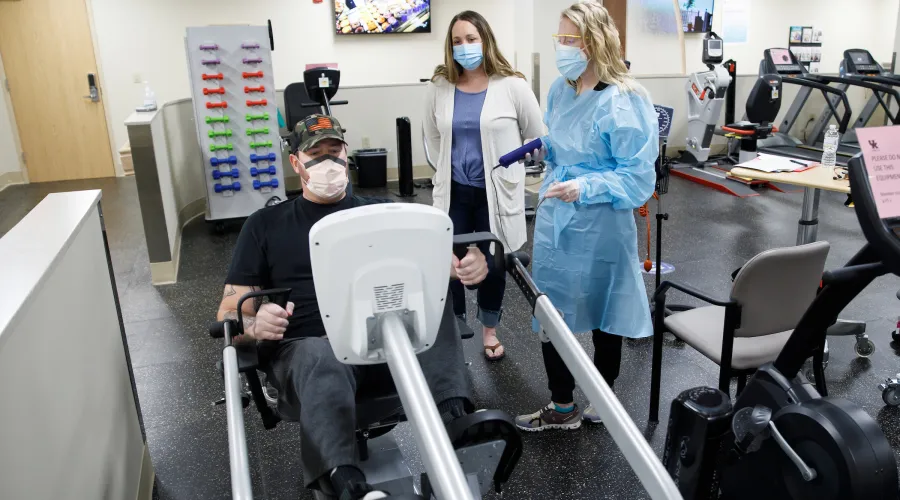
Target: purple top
x,y
252,60
209,46
249,45
211,61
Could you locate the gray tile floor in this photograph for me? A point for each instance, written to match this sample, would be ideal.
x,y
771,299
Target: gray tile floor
x,y
708,235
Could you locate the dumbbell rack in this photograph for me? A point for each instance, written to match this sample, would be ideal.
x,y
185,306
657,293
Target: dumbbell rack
x,y
233,90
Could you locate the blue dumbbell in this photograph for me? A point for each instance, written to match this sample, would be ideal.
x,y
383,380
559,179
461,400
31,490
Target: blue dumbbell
x,y
234,186
221,161
256,171
260,184
256,158
217,174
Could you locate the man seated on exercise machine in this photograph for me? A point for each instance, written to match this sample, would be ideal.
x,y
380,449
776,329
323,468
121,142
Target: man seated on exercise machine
x,y
314,388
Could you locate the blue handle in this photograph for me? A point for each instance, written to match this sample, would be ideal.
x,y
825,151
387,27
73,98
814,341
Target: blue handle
x,y
217,174
220,161
256,158
260,184
234,186
268,170
519,154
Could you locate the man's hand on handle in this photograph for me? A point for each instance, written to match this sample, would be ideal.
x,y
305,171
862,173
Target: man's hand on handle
x,y
270,323
472,269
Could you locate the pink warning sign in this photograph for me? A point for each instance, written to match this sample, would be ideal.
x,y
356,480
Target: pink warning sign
x,y
881,149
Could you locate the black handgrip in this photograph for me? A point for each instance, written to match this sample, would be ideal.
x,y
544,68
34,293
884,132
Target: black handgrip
x,y
520,256
338,103
462,242
217,329
853,272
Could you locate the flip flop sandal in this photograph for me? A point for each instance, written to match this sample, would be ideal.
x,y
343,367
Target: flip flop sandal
x,y
493,349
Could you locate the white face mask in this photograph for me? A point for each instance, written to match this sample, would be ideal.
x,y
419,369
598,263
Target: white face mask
x,y
327,177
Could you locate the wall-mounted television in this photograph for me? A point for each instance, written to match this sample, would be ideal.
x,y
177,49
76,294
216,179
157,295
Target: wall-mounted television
x,y
382,16
696,15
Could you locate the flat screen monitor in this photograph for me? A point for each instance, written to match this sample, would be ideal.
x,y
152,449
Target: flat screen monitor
x,y
696,15
781,57
379,17
860,57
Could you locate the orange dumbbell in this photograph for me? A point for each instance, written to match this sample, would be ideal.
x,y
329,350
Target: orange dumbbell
x,y
261,102
261,88
211,105
258,74
214,76
220,90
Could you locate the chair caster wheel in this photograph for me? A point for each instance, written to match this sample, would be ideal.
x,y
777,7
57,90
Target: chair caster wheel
x,y
890,391
864,347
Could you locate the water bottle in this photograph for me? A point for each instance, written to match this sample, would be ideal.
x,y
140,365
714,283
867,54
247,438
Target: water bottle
x,y
830,146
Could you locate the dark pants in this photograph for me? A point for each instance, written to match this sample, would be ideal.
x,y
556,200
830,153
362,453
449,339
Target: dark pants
x,y
306,371
470,214
607,359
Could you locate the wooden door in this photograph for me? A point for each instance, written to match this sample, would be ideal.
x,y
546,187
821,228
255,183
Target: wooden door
x,y
618,10
47,53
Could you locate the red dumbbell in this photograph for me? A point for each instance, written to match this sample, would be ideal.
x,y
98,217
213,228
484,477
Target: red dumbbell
x,y
261,102
214,76
258,74
220,90
211,105
261,88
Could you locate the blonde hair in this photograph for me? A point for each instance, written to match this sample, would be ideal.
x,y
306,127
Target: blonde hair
x,y
601,40
494,63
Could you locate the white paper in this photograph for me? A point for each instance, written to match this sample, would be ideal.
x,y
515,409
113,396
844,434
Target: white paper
x,y
736,21
772,163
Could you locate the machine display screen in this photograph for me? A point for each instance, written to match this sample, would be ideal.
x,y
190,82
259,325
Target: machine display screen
x,y
382,16
715,45
780,57
860,58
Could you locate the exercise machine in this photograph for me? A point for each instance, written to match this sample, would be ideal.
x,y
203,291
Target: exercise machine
x,y
786,65
781,438
859,65
706,93
385,309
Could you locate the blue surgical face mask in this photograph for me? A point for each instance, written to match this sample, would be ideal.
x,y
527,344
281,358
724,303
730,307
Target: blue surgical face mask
x,y
570,61
468,55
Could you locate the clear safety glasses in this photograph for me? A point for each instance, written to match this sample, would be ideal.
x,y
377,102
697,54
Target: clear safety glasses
x,y
567,40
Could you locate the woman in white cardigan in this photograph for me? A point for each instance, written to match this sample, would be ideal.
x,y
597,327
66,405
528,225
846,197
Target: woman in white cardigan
x,y
479,108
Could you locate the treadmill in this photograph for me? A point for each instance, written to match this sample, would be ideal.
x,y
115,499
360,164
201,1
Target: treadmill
x,y
785,64
860,65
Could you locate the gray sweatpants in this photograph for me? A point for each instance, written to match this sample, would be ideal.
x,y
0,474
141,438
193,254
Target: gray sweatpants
x,y
306,370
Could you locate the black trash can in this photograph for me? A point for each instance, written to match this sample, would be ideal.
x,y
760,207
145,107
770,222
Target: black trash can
x,y
371,167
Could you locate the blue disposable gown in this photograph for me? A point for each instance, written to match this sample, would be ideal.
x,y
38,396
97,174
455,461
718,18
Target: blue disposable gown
x,y
585,253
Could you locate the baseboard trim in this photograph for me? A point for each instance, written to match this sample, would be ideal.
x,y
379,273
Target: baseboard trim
x,y
148,477
10,179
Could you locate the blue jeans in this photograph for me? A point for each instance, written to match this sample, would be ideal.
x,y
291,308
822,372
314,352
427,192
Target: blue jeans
x,y
470,214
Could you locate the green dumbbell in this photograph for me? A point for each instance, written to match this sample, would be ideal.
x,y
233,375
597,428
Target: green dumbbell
x,y
219,147
217,119
220,133
262,116
262,144
254,131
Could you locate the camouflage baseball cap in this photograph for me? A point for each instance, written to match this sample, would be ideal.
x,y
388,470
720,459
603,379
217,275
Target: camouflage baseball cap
x,y
314,128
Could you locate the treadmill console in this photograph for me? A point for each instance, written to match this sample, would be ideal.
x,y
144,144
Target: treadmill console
x,y
860,62
782,62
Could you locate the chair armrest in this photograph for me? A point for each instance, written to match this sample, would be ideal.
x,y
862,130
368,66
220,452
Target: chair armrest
x,y
665,285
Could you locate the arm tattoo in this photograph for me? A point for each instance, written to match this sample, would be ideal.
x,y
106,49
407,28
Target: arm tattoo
x,y
249,321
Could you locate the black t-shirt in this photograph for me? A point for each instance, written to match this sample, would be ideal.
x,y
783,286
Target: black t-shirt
x,y
273,252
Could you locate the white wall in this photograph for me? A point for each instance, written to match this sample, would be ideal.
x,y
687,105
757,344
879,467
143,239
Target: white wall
x,y
139,39
9,156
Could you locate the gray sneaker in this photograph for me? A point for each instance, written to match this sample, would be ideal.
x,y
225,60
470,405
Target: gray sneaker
x,y
590,415
548,418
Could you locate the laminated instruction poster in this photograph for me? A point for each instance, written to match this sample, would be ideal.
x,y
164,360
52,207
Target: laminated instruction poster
x,y
881,147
